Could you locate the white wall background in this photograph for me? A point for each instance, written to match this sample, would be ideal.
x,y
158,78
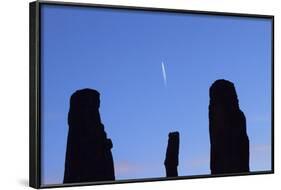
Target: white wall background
x,y
14,73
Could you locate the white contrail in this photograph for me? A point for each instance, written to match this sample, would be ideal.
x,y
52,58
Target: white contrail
x,y
164,73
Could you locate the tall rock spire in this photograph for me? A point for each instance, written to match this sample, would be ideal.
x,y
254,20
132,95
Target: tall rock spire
x,y
88,155
227,127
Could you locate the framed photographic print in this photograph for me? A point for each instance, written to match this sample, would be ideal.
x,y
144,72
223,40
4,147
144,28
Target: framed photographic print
x,y
124,94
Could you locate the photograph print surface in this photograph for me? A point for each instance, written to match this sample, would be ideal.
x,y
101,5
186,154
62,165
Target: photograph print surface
x,y
138,94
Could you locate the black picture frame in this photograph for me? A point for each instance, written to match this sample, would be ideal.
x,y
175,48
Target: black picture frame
x,y
35,91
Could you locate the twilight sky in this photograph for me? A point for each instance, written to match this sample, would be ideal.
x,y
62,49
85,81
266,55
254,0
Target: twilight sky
x,y
153,71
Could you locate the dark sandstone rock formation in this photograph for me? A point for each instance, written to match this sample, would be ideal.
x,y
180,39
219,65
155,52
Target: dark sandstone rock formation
x,y
227,127
88,154
172,155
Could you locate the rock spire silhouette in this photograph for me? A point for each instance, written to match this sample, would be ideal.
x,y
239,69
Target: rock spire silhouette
x,y
172,155
88,154
227,127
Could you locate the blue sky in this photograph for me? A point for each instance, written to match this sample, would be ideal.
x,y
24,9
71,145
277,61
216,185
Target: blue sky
x,y
120,54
